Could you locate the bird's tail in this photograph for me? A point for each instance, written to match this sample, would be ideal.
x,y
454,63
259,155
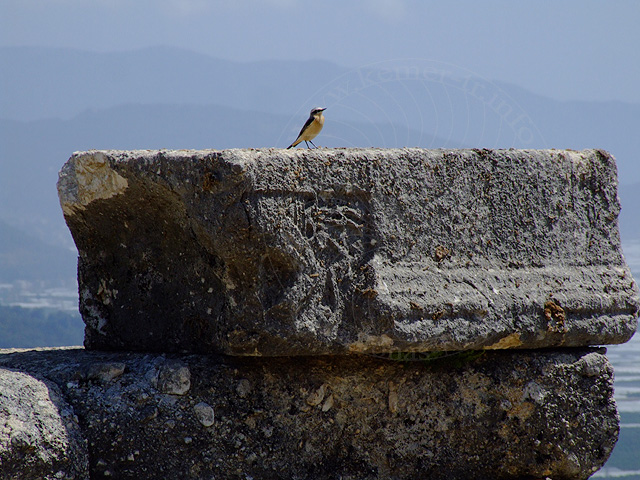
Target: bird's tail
x,y
290,146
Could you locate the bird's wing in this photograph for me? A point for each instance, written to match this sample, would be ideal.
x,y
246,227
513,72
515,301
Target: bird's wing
x,y
306,125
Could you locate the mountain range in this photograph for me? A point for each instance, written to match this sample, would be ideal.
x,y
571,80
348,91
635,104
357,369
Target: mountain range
x,y
56,101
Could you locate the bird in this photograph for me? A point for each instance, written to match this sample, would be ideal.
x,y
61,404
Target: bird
x,y
311,128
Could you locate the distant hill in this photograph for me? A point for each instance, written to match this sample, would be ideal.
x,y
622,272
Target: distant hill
x,y
612,126
40,82
38,327
630,211
23,257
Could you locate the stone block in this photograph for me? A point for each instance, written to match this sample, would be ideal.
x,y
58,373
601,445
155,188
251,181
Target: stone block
x,y
40,438
507,415
337,251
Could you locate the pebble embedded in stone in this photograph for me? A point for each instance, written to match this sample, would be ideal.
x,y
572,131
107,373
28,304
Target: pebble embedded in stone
x,y
174,378
204,414
243,388
105,371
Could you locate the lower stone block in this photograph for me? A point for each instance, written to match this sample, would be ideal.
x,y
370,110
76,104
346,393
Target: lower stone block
x,y
502,414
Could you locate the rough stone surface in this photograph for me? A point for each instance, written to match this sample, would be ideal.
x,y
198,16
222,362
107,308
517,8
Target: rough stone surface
x,y
507,414
39,433
174,378
274,252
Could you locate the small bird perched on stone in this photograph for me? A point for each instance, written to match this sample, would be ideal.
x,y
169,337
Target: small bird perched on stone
x,y
311,128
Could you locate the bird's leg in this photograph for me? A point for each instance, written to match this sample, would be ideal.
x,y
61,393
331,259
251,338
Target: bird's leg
x,y
312,144
307,143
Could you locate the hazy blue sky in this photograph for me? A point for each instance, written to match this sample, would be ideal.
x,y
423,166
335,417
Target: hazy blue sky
x,y
577,49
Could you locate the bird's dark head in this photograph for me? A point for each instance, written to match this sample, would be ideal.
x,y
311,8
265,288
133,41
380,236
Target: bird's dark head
x,y
317,110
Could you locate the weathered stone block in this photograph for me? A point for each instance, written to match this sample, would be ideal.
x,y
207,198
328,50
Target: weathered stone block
x,y
273,252
39,433
506,415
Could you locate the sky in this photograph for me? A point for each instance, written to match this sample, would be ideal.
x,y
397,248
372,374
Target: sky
x,y
566,50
